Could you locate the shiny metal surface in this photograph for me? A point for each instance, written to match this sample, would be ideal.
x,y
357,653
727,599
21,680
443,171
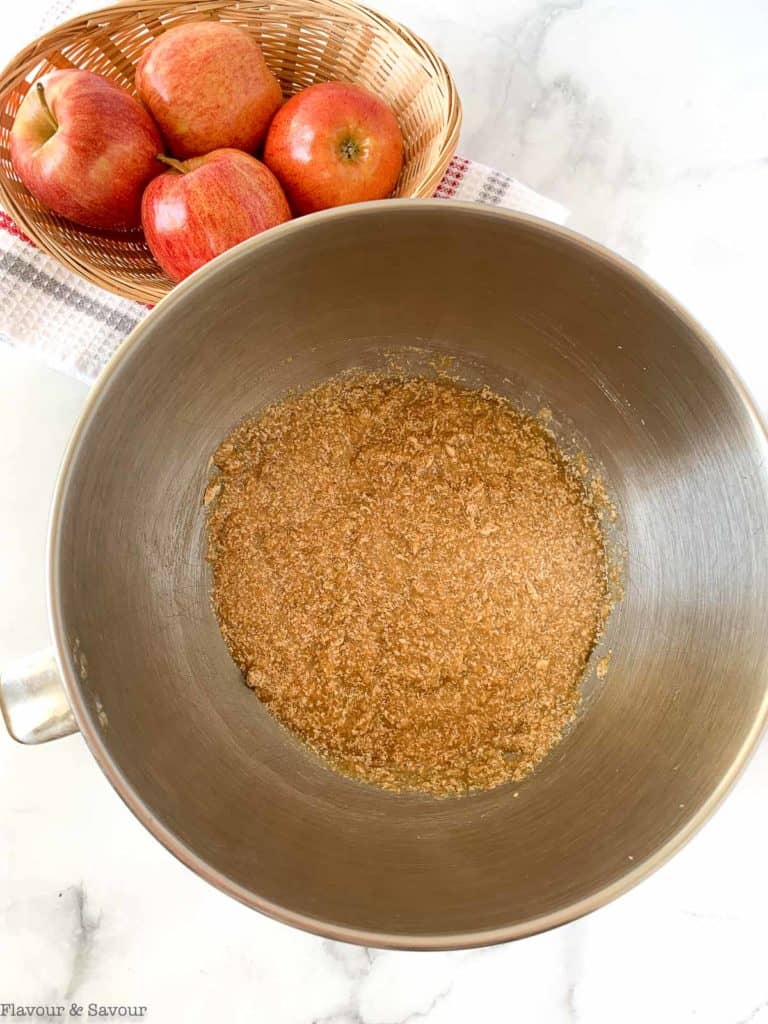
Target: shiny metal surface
x,y
33,700
547,316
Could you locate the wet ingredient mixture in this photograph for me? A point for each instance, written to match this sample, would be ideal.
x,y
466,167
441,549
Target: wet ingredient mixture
x,y
410,576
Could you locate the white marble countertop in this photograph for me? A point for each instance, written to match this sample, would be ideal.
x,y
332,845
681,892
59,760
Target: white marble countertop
x,y
649,120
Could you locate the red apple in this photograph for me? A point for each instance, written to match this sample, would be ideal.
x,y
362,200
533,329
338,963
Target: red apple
x,y
85,148
208,87
205,205
332,144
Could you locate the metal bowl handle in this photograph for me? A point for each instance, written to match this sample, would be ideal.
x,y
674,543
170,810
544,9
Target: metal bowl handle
x,y
33,700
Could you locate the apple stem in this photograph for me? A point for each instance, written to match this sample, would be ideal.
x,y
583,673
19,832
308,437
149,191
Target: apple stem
x,y
44,104
177,165
349,149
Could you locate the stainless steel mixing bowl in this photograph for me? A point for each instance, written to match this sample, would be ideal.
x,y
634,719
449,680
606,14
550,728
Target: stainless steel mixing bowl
x,y
536,310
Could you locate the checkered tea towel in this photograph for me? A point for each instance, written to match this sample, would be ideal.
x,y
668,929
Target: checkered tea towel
x,y
75,327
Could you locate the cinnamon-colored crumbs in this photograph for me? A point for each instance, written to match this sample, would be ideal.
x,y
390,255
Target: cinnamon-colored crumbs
x,y
410,578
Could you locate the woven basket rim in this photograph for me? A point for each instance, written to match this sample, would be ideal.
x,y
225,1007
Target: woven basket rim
x,y
41,49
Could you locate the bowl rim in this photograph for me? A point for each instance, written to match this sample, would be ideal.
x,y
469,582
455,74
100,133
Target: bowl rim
x,y
90,728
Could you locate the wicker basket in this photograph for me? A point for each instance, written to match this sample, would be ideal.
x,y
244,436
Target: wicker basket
x,y
304,41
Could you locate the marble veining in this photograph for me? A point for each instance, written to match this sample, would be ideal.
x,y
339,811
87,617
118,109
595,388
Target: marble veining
x,y
649,121
84,934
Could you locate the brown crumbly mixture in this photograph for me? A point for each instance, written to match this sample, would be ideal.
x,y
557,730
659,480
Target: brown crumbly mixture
x,y
409,576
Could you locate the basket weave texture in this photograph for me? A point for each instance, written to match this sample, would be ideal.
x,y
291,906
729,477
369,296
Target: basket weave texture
x,y
304,41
